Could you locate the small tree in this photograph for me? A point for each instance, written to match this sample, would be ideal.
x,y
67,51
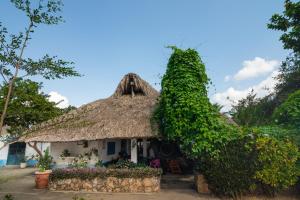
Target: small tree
x,y
12,48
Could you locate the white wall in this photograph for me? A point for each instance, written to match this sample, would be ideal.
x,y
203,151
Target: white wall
x,y
57,148
29,151
3,154
104,157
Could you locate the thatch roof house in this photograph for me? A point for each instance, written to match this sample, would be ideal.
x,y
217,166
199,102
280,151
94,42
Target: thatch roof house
x,y
107,124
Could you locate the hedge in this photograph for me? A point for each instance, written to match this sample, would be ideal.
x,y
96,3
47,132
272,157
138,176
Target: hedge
x,y
91,173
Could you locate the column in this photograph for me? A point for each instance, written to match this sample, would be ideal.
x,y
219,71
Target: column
x,y
145,148
134,150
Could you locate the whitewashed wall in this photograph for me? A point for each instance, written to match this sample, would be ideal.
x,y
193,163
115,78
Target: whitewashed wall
x,y
29,151
57,148
3,154
104,157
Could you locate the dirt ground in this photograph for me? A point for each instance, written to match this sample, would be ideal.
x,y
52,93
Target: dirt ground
x,y
20,184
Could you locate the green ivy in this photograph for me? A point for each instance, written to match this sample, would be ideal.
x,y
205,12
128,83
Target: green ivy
x,y
184,113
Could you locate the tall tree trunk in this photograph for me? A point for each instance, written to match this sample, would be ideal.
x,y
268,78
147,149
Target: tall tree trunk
x,y
12,80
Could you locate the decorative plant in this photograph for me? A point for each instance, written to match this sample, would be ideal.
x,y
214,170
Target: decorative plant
x,y
44,161
80,162
99,164
65,153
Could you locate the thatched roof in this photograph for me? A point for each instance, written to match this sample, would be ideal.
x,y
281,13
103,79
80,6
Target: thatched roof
x,y
126,114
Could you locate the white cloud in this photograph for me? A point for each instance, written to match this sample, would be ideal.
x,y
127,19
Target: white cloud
x,y
232,95
227,78
62,101
256,67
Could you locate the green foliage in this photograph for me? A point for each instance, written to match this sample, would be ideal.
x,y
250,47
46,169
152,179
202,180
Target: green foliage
x,y
288,113
185,114
257,160
276,162
8,197
253,111
288,78
44,161
90,173
288,22
28,106
279,133
77,198
99,164
79,162
126,164
232,172
13,45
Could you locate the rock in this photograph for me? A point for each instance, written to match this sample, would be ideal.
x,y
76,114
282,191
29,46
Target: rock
x,y
147,182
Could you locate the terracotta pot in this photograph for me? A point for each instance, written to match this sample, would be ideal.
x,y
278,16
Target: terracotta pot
x,y
42,179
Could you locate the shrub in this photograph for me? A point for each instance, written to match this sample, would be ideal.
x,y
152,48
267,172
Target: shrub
x,y
232,172
276,162
90,173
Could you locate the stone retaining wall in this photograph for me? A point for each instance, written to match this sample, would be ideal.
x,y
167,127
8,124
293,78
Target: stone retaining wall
x,y
110,184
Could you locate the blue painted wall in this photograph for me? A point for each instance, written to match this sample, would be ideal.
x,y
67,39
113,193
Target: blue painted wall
x,y
3,163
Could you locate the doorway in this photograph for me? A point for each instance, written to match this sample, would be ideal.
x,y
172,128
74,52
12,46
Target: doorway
x,y
16,152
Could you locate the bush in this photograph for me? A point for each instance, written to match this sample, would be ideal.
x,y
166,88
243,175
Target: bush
x,y
232,172
252,161
126,164
276,164
90,173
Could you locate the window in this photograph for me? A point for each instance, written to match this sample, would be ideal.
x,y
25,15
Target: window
x,y
111,148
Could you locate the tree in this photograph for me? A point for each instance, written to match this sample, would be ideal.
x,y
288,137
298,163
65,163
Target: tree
x,y
27,107
185,113
288,113
253,111
12,47
289,23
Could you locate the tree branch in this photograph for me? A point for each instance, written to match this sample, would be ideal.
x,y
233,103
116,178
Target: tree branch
x,y
11,82
34,146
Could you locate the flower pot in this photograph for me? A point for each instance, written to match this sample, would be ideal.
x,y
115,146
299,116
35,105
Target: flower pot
x,y
42,179
23,165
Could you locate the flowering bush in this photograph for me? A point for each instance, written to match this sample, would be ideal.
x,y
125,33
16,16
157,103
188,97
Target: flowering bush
x,y
90,173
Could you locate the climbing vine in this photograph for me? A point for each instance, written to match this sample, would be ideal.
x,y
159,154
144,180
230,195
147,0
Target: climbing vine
x,y
185,113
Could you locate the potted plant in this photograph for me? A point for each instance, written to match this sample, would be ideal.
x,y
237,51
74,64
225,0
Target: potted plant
x,y
44,166
23,161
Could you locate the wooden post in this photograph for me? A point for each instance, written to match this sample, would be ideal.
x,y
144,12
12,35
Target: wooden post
x,y
134,150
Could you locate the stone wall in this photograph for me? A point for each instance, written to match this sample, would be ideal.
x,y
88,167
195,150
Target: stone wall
x,y
110,184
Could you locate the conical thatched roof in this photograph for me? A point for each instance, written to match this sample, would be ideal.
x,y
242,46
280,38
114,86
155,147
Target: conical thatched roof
x,y
126,114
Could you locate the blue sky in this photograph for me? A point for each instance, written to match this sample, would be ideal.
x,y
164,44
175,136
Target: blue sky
x,y
108,38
